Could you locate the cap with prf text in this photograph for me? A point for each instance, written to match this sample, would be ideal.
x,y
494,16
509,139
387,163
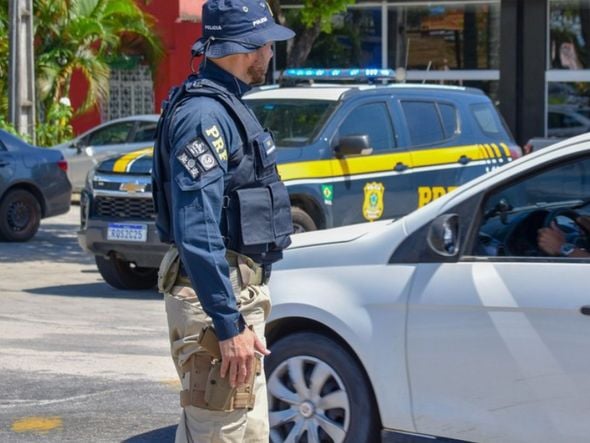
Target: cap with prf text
x,y
237,26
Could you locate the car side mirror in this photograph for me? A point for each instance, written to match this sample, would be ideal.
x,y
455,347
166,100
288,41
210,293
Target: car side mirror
x,y
353,145
443,235
77,145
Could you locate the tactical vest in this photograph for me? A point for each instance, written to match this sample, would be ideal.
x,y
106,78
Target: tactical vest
x,y
256,217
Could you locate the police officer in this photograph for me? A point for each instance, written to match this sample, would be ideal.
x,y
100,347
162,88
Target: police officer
x,y
223,209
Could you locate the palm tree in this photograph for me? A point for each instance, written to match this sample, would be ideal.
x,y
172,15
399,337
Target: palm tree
x,y
84,35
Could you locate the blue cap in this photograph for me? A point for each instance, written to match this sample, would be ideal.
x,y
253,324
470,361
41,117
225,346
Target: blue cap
x,y
237,27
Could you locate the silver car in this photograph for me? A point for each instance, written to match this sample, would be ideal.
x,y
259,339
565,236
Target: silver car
x,y
113,137
451,322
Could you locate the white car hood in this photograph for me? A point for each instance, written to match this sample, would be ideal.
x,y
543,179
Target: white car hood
x,y
335,235
337,247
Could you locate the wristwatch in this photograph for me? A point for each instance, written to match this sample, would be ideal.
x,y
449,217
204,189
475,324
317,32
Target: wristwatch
x,y
566,249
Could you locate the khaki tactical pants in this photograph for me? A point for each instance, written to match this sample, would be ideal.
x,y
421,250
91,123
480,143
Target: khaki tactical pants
x,y
186,320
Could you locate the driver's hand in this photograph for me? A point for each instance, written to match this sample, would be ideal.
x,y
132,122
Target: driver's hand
x,y
550,239
238,354
584,222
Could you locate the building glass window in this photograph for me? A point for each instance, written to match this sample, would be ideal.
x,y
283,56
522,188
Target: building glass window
x,y
568,75
355,40
569,29
444,36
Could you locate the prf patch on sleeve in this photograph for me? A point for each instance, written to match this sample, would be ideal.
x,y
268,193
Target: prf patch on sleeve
x,y
213,136
196,157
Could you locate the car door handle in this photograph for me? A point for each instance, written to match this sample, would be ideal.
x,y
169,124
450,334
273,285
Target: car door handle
x,y
585,310
464,159
399,167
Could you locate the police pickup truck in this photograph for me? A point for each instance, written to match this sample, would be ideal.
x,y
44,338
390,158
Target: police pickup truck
x,y
348,153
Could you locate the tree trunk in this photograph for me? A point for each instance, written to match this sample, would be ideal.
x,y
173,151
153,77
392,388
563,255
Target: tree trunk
x,y
302,46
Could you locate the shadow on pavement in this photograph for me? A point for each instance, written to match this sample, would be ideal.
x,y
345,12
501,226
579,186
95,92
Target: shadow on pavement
x,y
157,435
98,290
53,242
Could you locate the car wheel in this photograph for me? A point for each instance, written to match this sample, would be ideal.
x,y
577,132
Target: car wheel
x,y
20,215
318,393
121,274
302,222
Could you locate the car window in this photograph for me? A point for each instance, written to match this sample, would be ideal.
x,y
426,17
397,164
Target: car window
x,y
145,132
450,119
512,215
111,134
423,122
372,119
485,117
293,122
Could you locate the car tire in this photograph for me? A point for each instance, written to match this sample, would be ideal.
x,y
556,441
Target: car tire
x,y
20,216
302,221
121,274
306,370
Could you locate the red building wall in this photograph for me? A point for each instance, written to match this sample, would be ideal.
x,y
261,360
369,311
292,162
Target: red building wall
x,y
178,24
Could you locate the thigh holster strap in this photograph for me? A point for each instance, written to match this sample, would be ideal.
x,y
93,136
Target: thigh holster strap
x,y
208,390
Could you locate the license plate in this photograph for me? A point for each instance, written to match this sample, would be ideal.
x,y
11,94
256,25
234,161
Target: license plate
x,y
127,232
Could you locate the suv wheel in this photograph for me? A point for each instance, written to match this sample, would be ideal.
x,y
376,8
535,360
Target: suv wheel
x,y
318,393
302,222
20,215
121,274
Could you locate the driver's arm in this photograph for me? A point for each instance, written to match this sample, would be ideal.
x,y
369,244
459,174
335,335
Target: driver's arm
x,y
552,241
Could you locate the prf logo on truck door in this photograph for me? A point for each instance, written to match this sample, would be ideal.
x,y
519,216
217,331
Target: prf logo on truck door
x,y
426,194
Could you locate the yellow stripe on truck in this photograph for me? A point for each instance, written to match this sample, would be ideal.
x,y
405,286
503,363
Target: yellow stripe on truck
x,y
122,163
378,163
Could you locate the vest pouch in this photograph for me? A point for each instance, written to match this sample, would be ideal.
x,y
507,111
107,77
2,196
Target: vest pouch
x,y
256,221
281,209
266,155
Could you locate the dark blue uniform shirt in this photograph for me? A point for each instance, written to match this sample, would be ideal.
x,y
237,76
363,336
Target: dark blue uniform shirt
x,y
202,124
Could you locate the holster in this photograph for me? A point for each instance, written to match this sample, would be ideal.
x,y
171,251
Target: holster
x,y
169,270
208,389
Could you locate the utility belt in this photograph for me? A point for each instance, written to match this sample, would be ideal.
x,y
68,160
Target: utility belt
x,y
207,389
251,273
171,273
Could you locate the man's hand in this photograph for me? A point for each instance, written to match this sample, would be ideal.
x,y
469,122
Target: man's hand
x,y
550,239
238,354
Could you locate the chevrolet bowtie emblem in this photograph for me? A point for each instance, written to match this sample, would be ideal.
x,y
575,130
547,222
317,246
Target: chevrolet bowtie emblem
x,y
132,187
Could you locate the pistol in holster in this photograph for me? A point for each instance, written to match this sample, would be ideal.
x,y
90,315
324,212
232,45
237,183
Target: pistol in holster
x,y
208,389
168,270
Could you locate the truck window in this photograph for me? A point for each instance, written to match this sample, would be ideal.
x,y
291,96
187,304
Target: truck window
x,y
423,122
372,119
294,123
485,117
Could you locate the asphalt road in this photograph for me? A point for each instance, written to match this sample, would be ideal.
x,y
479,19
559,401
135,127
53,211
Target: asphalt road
x,y
79,360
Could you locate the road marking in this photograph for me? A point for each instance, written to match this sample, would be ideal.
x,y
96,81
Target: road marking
x,y
36,425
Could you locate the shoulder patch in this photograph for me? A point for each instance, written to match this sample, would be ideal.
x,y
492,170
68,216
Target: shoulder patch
x,y
196,157
213,136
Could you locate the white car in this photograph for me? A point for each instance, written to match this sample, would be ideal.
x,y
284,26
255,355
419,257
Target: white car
x,y
449,322
112,137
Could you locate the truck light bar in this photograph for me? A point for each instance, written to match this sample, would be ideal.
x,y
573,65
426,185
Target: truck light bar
x,y
339,74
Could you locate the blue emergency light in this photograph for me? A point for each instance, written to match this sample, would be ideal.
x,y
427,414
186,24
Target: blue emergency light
x,y
339,74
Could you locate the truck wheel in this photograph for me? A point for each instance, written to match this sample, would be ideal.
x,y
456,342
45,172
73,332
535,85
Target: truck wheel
x,y
317,392
121,274
302,222
20,215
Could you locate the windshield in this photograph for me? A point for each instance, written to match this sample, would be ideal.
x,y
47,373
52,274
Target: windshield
x,y
293,123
